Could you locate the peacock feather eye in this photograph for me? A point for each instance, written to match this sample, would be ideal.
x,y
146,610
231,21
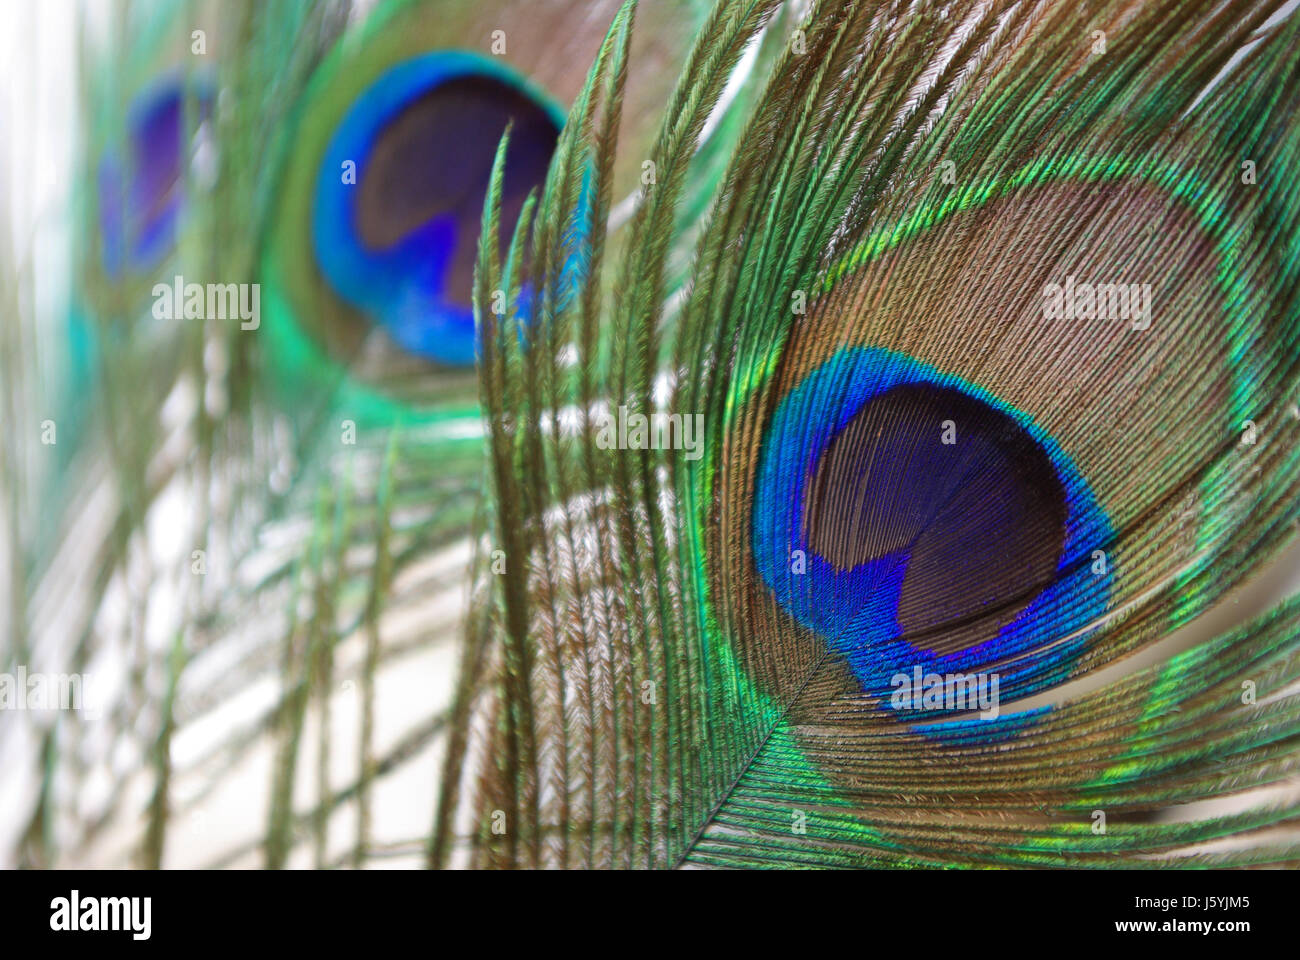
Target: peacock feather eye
x,y
398,239
929,501
910,518
140,186
368,252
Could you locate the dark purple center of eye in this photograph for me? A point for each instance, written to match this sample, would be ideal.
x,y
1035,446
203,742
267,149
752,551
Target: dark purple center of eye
x,y
981,521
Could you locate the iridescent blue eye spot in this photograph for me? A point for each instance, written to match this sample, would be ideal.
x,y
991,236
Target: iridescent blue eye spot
x,y
400,242
912,519
140,187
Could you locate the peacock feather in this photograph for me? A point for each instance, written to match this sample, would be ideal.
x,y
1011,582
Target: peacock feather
x,y
751,434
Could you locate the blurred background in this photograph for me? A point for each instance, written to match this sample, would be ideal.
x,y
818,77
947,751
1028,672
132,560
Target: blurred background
x,y
263,618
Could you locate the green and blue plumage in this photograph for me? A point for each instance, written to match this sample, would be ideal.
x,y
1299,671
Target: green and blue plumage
x,y
827,230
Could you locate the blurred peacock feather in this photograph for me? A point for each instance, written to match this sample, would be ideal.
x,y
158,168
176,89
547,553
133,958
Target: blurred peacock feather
x,y
986,312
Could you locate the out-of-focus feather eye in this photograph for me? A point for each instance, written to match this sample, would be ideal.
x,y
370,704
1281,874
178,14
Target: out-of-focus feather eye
x,y
140,187
398,239
368,249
